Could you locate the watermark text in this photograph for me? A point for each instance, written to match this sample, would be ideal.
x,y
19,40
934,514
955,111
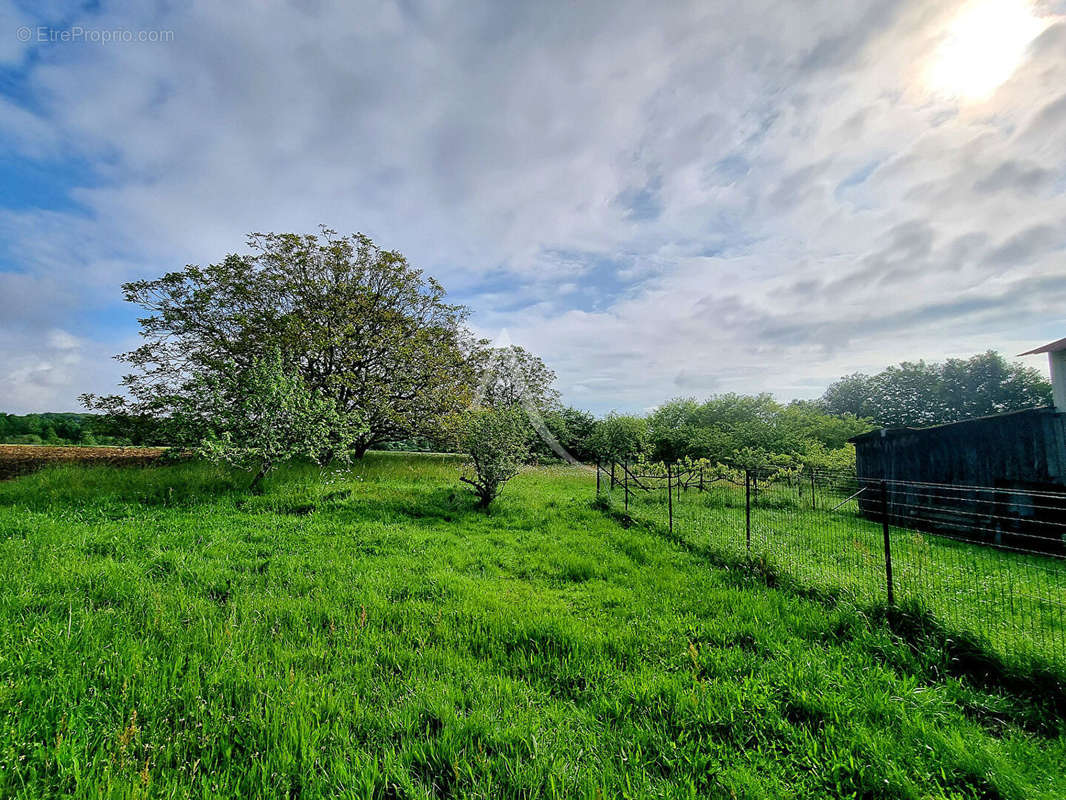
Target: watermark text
x,y
79,34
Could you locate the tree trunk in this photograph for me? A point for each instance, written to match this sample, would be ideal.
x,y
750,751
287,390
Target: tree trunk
x,y
256,486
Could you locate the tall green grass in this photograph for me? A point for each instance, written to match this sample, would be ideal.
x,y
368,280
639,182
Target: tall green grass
x,y
1010,603
371,634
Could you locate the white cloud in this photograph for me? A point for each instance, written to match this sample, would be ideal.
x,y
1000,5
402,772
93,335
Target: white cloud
x,y
660,200
59,339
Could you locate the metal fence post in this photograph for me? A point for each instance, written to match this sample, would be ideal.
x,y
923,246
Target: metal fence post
x,y
888,543
747,507
669,499
625,479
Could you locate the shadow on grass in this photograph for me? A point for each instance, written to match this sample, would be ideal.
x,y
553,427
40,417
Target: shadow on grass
x,y
1039,683
939,651
427,508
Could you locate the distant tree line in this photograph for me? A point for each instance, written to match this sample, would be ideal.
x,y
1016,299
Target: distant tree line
x,y
917,394
55,429
755,430
732,429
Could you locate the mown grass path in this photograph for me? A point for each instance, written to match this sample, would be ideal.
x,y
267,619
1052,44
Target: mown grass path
x,y
162,634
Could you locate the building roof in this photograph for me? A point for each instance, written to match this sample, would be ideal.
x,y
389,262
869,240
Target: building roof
x,y
1051,347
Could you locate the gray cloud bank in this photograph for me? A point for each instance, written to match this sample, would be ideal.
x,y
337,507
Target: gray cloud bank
x,y
659,199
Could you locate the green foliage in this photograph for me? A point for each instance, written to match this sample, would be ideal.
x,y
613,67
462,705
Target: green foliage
x,y
497,443
917,394
572,428
808,422
55,429
513,376
257,417
760,460
360,325
817,456
369,634
752,431
755,431
619,437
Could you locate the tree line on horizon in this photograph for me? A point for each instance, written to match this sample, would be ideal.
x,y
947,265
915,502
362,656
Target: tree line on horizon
x,y
324,346
756,431
910,394
53,428
917,394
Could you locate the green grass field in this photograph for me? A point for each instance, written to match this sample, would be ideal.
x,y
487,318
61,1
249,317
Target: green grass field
x,y
370,634
1011,604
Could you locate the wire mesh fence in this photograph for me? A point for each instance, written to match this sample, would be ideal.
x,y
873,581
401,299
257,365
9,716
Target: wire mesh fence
x,y
985,562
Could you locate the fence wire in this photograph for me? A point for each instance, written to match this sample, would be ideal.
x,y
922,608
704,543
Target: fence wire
x,y
987,562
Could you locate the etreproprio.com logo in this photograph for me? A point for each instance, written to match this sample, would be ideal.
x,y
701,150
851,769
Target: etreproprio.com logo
x,y
79,34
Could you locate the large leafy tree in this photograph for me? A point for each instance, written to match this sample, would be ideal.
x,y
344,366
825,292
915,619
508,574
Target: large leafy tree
x,y
357,323
988,384
513,376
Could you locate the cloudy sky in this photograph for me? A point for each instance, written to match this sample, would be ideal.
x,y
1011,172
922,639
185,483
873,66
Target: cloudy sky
x,y
661,199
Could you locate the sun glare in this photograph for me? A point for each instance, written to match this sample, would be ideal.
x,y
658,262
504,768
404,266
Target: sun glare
x,y
982,47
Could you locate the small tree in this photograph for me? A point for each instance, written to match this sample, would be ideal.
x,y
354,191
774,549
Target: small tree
x,y
256,418
497,441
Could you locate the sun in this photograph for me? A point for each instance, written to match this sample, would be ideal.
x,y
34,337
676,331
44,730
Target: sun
x,y
982,47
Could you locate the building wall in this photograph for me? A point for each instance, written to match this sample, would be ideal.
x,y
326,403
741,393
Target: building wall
x,y
1057,361
1023,449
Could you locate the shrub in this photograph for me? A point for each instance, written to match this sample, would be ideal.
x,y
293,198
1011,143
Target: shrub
x,y
497,442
